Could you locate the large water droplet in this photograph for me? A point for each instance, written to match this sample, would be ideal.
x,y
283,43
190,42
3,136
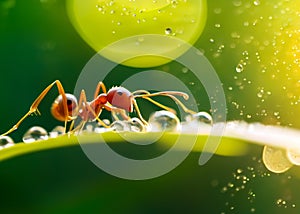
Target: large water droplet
x,y
275,159
168,31
294,156
164,121
6,141
35,133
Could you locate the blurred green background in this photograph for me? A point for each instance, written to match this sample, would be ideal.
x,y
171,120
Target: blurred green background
x,y
253,46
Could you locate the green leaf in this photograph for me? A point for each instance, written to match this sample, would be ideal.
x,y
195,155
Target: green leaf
x,y
228,146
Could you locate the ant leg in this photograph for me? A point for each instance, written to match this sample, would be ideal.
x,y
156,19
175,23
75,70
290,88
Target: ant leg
x,y
79,127
36,102
114,110
82,100
144,96
139,112
99,87
168,94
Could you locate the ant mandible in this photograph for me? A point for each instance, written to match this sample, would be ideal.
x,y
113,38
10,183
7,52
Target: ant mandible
x,y
118,100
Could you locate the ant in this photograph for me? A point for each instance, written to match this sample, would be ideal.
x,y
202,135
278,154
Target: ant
x,y
117,100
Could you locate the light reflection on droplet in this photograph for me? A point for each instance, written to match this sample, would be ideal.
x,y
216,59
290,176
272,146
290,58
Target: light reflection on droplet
x,y
168,31
136,125
6,141
294,156
239,68
35,133
57,131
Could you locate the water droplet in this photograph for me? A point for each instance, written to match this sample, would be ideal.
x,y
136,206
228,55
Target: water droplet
x,y
89,128
168,31
184,70
239,171
239,68
256,2
35,133
217,25
6,141
174,3
237,3
120,126
218,10
57,131
235,35
164,121
136,125
202,117
294,156
275,159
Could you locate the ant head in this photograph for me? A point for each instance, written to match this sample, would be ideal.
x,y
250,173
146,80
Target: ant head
x,y
57,108
121,98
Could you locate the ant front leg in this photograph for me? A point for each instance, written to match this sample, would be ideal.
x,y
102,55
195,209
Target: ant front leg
x,y
114,111
34,106
146,95
99,87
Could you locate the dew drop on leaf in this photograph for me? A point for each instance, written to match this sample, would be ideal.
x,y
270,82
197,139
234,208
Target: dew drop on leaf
x,y
35,133
136,125
120,126
275,159
164,121
6,141
57,131
202,117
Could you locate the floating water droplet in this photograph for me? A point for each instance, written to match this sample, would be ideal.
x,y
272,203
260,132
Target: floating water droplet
x,y
217,25
168,31
294,156
256,2
35,133
237,3
218,10
184,70
239,68
6,141
57,131
275,159
164,121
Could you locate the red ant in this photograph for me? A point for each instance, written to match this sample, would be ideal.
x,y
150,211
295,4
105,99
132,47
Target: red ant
x,y
117,100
